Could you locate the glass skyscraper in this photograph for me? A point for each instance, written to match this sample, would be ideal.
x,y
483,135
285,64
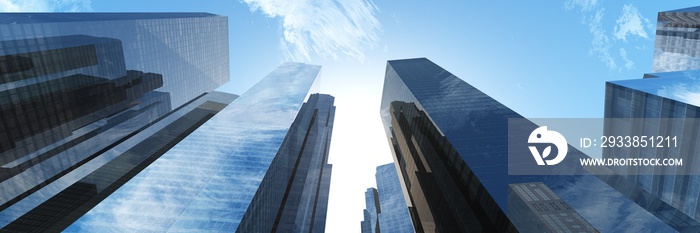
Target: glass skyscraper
x,y
87,100
545,211
185,48
449,143
109,121
677,45
260,164
370,224
293,196
56,206
386,209
664,103
646,107
394,216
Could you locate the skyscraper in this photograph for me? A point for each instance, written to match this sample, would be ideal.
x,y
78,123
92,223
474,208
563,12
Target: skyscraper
x,y
394,216
110,121
676,47
54,207
449,143
181,47
88,100
370,224
260,163
386,209
664,106
545,211
293,196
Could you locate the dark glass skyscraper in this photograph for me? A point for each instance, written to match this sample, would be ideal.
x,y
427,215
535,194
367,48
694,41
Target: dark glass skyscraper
x,y
450,146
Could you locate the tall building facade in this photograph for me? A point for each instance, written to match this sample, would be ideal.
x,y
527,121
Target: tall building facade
x,y
259,165
394,216
370,224
178,46
659,106
449,144
663,104
386,209
49,211
293,195
89,99
545,211
677,45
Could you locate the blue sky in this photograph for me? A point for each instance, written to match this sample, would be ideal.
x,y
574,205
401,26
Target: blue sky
x,y
542,58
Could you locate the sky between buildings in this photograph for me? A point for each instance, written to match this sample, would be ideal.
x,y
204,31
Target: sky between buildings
x,y
542,58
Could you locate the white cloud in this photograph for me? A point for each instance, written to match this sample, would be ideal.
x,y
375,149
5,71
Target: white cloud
x,y
584,5
324,28
592,16
630,22
628,63
601,43
45,5
397,18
